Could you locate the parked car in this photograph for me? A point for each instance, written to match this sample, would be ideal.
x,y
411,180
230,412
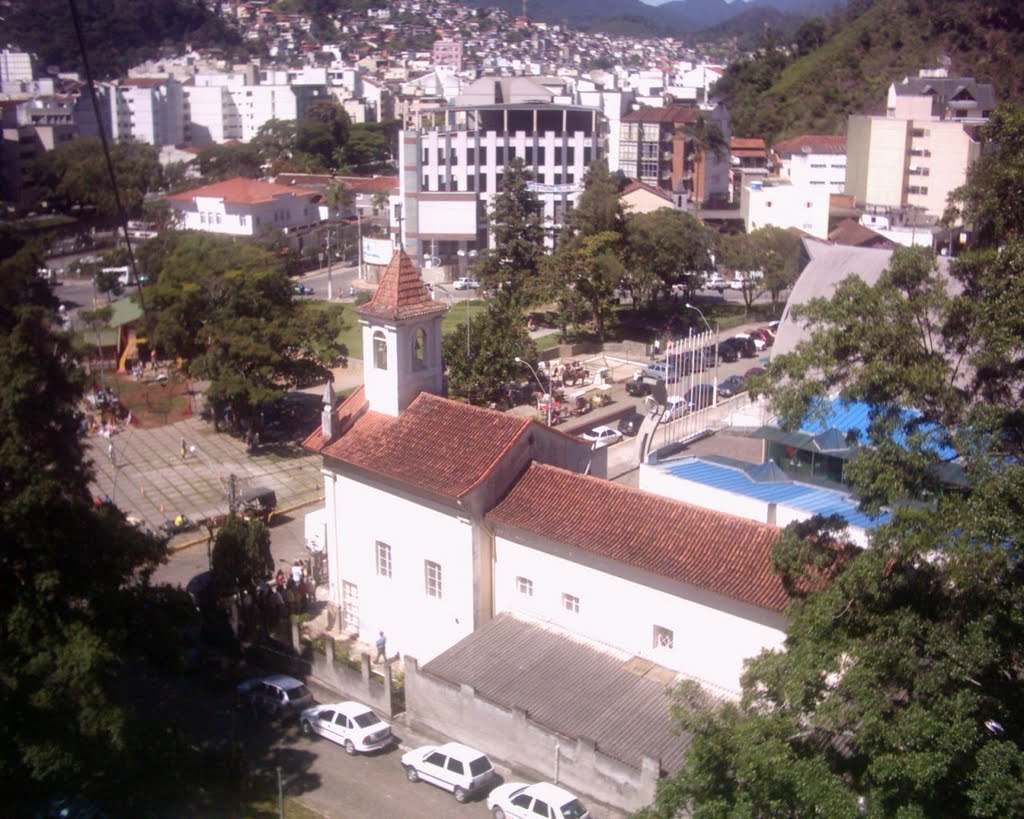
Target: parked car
x,y
602,436
745,346
660,371
517,800
733,385
700,396
676,406
759,343
257,503
764,335
727,351
715,282
466,284
637,387
753,371
453,766
276,695
303,290
738,283
350,724
630,424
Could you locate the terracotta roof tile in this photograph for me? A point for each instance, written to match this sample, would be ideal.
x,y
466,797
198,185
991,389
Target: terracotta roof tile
x,y
711,550
401,293
634,185
746,143
812,144
670,113
241,190
438,445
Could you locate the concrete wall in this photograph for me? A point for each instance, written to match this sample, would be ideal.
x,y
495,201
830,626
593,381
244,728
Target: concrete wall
x,y
512,737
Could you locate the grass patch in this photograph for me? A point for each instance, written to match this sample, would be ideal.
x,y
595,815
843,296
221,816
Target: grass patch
x,y
548,342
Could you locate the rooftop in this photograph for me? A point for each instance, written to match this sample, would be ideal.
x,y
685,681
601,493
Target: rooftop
x,y
401,293
812,144
242,190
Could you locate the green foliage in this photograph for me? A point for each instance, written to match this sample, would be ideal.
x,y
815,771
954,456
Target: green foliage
x,y
118,33
598,208
226,308
75,173
219,162
583,273
241,554
666,247
511,267
777,254
496,338
73,569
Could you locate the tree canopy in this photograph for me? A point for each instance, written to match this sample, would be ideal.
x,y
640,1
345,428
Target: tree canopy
x,y
482,370
899,689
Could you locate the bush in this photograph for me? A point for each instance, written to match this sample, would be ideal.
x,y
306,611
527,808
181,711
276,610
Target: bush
x,y
362,297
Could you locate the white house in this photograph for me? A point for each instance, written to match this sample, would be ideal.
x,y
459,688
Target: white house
x,y
784,205
441,515
813,160
247,207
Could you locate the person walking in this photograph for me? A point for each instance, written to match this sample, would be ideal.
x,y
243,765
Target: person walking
x,y
184,448
382,648
110,452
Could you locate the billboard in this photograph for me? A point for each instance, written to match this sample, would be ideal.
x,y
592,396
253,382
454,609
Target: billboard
x,y
377,251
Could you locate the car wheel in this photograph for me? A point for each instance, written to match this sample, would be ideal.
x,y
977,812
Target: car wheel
x,y
307,729
461,796
498,813
412,774
350,749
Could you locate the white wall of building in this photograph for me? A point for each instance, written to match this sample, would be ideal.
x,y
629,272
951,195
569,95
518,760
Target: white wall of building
x,y
786,206
817,170
214,215
711,636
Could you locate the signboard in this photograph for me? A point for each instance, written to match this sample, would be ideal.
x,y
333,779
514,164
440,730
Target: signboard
x,y
536,187
377,251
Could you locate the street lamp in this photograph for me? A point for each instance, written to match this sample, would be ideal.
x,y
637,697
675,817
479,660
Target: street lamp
x,y
714,396
537,378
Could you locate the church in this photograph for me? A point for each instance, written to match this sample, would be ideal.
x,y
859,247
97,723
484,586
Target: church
x,y
442,517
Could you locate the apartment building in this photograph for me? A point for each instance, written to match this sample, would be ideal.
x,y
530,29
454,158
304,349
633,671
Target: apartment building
x,y
30,128
452,163
920,150
813,159
145,109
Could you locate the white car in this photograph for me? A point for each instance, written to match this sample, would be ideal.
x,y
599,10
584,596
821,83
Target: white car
x,y
602,436
715,282
676,406
466,284
540,801
455,767
351,724
738,283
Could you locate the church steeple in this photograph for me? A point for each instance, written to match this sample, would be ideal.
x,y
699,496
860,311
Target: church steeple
x,y
401,339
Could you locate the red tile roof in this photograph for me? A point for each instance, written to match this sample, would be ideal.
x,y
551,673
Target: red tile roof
x,y
853,233
401,293
670,114
243,191
746,143
437,445
812,144
711,550
634,185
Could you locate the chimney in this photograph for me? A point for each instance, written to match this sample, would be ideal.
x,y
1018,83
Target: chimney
x,y
327,415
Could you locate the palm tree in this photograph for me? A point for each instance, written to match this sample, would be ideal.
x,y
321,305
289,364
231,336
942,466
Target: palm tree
x,y
705,138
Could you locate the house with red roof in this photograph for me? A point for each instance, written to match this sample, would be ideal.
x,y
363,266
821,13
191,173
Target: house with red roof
x,y
813,160
441,515
247,207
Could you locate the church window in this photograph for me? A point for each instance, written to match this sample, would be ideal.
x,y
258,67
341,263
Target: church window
x,y
663,637
571,603
524,586
432,579
383,559
380,350
419,349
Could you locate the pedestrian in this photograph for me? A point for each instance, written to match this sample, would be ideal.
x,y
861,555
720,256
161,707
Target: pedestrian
x,y
110,452
382,645
279,580
184,448
297,571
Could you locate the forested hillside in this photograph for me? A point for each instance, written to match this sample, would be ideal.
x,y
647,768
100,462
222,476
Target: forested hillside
x,y
118,33
844,65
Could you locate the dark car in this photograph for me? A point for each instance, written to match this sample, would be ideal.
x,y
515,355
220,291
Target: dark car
x,y
746,346
638,387
733,385
630,424
728,351
700,396
753,371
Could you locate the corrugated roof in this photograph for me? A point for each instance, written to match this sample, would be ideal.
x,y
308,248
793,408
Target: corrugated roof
x,y
437,445
241,190
401,293
804,497
812,144
704,548
568,686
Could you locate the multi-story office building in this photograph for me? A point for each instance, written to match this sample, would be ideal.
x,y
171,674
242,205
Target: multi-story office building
x,y
655,148
452,163
920,151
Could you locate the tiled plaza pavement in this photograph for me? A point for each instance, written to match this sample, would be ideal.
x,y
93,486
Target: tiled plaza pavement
x,y
150,480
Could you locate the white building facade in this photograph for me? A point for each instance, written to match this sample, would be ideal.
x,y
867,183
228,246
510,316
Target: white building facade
x,y
779,204
247,207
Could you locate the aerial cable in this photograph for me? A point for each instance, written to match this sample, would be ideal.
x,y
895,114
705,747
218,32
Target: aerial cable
x,y
122,216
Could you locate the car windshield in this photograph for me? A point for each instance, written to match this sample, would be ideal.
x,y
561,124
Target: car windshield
x,y
480,765
367,719
573,809
298,692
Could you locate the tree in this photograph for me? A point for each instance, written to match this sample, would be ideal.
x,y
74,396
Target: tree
x,y
219,162
900,687
586,271
510,268
599,208
73,570
482,374
703,137
666,247
777,252
241,554
226,308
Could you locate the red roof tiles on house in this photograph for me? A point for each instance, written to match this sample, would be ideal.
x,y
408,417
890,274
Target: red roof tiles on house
x,y
812,144
711,550
417,447
670,114
401,293
635,185
243,191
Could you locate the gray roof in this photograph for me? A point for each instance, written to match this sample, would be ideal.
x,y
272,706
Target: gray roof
x,y
946,88
570,687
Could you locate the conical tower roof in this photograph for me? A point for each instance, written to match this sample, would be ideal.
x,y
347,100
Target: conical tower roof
x,y
401,293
